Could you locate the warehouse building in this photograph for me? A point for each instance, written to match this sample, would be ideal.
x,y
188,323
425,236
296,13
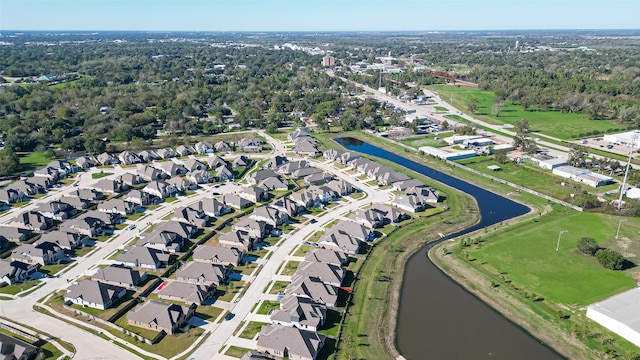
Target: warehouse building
x,y
620,314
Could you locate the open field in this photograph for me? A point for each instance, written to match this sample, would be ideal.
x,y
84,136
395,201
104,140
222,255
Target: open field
x,y
33,161
427,140
526,255
552,123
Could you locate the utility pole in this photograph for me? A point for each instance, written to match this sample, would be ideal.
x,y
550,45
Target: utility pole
x,y
559,236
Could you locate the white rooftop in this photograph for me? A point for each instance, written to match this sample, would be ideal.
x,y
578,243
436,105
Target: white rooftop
x,y
620,314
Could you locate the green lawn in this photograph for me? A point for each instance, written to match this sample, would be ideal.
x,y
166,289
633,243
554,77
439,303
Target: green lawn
x,y
279,286
526,255
16,288
427,140
229,290
331,324
266,307
101,174
302,250
207,312
553,123
440,108
236,351
252,329
290,268
34,160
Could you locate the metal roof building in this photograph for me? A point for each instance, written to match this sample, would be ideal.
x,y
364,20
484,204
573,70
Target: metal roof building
x,y
620,314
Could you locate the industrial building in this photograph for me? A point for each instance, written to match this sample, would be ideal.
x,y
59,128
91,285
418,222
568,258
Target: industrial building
x,y
629,138
620,314
582,176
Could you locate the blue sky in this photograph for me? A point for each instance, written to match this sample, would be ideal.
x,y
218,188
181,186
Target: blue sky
x,y
314,15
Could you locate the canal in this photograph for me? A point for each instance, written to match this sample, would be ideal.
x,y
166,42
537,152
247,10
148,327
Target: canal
x,y
438,319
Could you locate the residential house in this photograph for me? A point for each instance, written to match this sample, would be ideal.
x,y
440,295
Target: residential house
x,y
25,187
404,185
298,133
218,255
12,348
85,162
289,342
213,207
120,276
303,172
304,199
318,178
322,194
171,168
224,173
241,161
160,189
275,162
390,177
150,173
427,195
15,233
235,201
340,242
129,179
256,229
368,217
12,271
88,194
94,294
286,206
358,231
250,144
204,273
183,150
200,177
340,187
192,216
389,213
410,203
112,186
118,206
89,226
147,156
269,215
128,158
203,147
182,184
76,202
34,220
41,183
48,172
165,241
194,164
327,256
10,196
314,289
143,257
331,154
327,273
43,253
65,240
260,175
106,159
238,239
222,146
273,183
140,198
214,161
305,146
299,312
293,166
184,230
56,210
189,293
160,316
253,194
165,153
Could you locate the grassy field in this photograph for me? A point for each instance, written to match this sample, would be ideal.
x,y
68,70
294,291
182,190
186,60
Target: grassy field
x,y
427,140
526,255
553,123
252,329
34,160
266,307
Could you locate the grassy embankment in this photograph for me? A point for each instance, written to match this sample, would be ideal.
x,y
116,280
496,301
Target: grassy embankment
x,y
553,123
368,330
517,271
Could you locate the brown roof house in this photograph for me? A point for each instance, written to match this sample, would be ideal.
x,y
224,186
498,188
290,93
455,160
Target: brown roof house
x,y
129,157
214,161
236,201
118,206
165,241
203,147
224,173
56,210
12,271
289,342
315,289
190,215
250,144
327,273
34,220
286,206
340,187
200,177
327,256
271,216
43,253
15,233
204,273
89,226
255,228
273,183
340,242
94,294
140,198
143,257
76,202
260,175
411,203
218,255
213,207
237,239
254,194
112,186
189,293
194,164
300,312
120,276
160,189
222,146
149,173
161,316
172,169
66,240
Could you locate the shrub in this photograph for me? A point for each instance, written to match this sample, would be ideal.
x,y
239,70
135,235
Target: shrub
x,y
610,259
588,246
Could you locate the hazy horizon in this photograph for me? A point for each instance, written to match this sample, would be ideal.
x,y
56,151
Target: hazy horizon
x,y
316,16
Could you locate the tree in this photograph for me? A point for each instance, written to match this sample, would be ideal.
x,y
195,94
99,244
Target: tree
x,y
473,106
522,126
610,259
586,201
588,246
497,107
445,125
9,162
94,145
501,156
578,155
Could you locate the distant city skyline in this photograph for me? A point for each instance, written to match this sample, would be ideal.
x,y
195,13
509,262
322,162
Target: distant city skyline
x,y
314,15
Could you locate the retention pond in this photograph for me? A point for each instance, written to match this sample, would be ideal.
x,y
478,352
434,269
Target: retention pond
x,y
438,319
